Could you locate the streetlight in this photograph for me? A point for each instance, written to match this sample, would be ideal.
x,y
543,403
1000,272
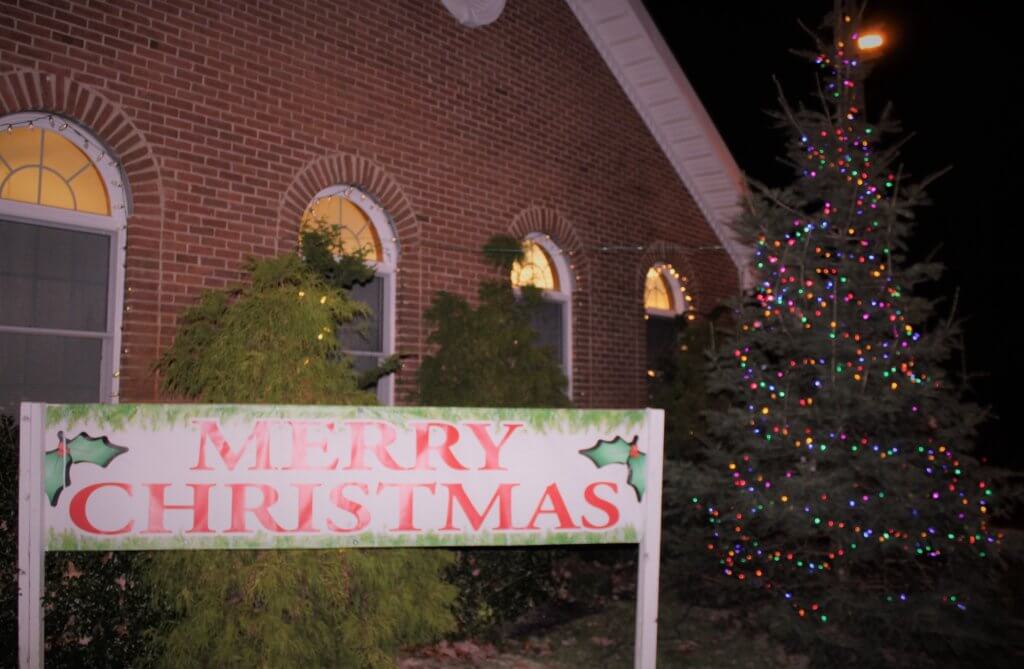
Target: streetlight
x,y
869,43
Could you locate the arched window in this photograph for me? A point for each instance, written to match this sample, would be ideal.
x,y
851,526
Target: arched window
x,y
544,266
665,299
357,223
62,230
664,295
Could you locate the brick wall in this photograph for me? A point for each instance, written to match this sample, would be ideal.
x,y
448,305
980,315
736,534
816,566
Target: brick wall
x,y
228,116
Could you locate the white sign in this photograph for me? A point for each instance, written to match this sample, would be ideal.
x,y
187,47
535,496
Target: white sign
x,y
183,476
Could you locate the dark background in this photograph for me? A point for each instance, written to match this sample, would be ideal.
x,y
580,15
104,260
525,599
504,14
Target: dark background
x,y
948,70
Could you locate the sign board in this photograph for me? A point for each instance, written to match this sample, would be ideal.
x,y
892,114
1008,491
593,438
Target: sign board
x,y
201,476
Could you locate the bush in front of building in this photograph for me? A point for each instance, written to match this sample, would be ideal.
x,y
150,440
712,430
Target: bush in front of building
x,y
273,341
487,355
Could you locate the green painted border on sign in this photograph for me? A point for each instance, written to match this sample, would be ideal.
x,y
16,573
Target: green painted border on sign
x,y
156,416
69,541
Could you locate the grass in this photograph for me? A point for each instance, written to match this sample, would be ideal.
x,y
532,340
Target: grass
x,y
687,637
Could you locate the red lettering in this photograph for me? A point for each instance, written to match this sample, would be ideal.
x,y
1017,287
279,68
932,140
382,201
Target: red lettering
x,y
359,445
360,513
444,449
558,508
260,510
603,505
503,496
300,445
79,516
305,523
210,429
200,508
492,450
405,506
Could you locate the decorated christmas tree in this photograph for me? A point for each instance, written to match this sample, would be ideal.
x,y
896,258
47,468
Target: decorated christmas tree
x,y
844,500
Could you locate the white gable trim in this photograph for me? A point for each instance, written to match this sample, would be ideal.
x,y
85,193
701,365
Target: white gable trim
x,y
644,66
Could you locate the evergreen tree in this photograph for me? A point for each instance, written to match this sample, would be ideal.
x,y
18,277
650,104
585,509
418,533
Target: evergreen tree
x,y
274,341
844,492
488,356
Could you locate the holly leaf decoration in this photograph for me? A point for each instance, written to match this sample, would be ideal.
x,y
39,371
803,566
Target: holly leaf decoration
x,y
618,451
81,448
56,472
97,450
637,474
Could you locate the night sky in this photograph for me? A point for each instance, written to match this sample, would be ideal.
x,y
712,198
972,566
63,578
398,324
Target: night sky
x,y
947,72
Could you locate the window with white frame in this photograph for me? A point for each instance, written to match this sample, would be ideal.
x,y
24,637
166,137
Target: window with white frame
x,y
356,223
665,299
62,230
544,266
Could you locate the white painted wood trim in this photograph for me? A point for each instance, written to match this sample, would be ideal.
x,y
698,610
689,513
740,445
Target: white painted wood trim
x,y
645,653
31,572
566,288
627,39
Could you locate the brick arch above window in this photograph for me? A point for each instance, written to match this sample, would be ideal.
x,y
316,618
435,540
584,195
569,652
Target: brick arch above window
x,y
551,223
32,91
350,169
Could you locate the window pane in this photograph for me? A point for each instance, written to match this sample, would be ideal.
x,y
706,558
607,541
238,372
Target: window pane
x,y
48,369
21,147
536,268
55,192
22,185
657,294
546,319
62,156
661,338
346,224
364,363
44,167
91,193
53,278
365,334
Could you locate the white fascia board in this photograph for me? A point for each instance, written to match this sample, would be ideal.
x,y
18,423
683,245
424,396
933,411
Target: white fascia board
x,y
630,44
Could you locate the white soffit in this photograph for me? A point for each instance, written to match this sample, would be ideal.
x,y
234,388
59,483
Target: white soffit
x,y
644,66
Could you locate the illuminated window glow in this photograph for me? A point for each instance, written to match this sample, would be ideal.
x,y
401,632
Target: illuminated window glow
x,y
43,167
346,224
657,292
664,292
535,269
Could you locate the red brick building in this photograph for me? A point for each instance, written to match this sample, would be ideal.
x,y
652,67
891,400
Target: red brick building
x,y
148,148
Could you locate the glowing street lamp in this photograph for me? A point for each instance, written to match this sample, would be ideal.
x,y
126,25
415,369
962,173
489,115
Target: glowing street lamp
x,y
870,41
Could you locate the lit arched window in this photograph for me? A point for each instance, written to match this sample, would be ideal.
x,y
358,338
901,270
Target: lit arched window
x,y
544,266
665,299
535,269
62,238
347,224
357,223
657,292
44,167
664,292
